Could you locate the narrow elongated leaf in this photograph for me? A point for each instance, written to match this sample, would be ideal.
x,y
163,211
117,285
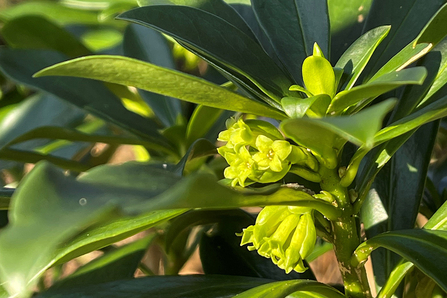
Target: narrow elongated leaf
x,y
91,96
379,86
130,72
324,136
314,106
159,286
355,58
427,249
406,18
282,289
196,28
119,263
150,46
34,32
51,209
435,30
297,25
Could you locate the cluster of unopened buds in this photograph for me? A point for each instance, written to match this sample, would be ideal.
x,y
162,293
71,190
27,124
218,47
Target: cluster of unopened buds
x,y
257,152
285,234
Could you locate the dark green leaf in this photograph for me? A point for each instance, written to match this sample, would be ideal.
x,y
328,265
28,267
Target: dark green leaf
x,y
427,249
200,148
34,32
347,21
91,96
196,29
435,30
294,26
355,58
160,80
282,289
379,86
163,286
150,46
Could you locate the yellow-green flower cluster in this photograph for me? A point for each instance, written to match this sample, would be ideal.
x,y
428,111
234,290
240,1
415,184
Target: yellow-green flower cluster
x,y
256,150
285,234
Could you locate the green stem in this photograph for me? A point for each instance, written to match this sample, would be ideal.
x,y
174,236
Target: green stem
x,y
346,236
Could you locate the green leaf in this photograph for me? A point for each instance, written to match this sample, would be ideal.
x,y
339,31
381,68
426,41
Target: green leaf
x,y
202,119
406,18
370,90
355,58
347,21
327,135
119,263
91,96
69,217
318,76
199,286
314,106
196,29
160,80
404,58
435,30
53,11
427,249
150,46
35,32
395,196
218,8
200,148
297,25
427,114
282,289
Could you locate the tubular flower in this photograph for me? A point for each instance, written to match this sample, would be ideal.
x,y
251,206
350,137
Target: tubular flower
x,y
285,234
238,134
241,166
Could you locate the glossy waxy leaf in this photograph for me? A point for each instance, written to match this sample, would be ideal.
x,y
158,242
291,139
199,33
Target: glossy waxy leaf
x,y
406,18
96,210
91,96
282,289
149,45
435,30
379,86
34,32
318,76
355,58
199,286
218,8
404,58
427,249
297,25
160,80
197,31
324,136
